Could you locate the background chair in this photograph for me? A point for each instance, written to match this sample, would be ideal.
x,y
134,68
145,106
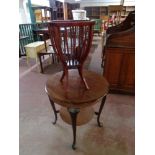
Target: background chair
x,y
71,41
98,26
42,33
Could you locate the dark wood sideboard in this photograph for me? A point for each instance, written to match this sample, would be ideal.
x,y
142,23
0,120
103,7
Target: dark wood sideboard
x,y
119,56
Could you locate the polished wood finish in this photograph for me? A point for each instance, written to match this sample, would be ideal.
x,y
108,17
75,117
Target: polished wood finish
x,y
119,69
72,41
84,115
119,56
75,100
71,92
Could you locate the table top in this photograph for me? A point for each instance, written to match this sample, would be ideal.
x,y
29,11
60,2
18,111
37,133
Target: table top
x,y
72,92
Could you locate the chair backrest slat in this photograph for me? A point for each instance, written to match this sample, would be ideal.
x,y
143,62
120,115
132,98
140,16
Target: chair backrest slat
x,y
71,41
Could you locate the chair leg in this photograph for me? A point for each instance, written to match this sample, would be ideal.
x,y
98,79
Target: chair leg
x,y
82,78
37,64
41,66
53,58
65,73
45,43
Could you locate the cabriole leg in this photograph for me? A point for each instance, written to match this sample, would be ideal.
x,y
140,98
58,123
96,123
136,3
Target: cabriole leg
x,y
73,113
100,110
54,109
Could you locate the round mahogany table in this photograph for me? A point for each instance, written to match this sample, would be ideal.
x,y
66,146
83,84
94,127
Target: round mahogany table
x,y
76,101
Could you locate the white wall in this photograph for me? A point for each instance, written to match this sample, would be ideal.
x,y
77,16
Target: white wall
x,y
24,16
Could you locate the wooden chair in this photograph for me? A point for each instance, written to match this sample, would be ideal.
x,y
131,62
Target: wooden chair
x,y
71,41
42,33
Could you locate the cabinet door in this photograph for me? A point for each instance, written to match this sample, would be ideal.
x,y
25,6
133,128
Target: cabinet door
x,y
112,66
127,76
119,69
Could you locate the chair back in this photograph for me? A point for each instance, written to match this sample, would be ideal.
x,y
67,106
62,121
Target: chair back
x,y
71,40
